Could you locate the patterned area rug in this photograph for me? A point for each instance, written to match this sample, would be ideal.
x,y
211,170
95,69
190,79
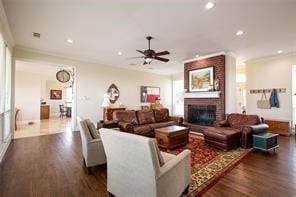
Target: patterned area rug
x,y
208,164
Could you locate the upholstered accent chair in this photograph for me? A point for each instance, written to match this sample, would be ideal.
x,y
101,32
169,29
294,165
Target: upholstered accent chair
x,y
135,167
92,148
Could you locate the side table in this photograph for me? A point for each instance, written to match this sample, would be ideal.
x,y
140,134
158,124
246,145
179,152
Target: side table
x,y
100,124
265,141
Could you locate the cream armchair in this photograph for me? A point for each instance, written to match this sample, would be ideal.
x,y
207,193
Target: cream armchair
x,y
133,167
92,149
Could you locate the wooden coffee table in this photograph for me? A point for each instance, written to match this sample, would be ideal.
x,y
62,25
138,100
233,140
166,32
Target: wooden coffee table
x,y
172,136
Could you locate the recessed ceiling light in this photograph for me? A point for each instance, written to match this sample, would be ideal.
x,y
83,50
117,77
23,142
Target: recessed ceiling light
x,y
70,41
280,51
239,33
196,55
209,5
119,53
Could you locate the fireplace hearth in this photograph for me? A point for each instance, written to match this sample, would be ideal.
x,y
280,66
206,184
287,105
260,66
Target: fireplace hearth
x,y
204,115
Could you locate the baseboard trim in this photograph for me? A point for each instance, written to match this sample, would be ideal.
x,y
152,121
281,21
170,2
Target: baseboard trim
x,y
4,147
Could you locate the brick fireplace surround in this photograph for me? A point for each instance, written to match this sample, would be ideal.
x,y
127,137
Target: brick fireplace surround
x,y
218,62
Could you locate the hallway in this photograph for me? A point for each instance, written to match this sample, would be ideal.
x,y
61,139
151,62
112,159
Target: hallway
x,y
44,127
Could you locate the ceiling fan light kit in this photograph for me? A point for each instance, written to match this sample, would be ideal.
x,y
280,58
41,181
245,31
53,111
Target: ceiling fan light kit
x,y
148,60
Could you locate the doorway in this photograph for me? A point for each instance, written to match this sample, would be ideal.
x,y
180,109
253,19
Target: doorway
x,y
241,92
44,105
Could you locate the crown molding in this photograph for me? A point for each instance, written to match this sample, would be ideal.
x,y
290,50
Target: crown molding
x,y
205,57
271,57
68,60
6,32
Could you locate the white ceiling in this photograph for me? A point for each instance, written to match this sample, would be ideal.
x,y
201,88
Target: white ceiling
x,y
184,27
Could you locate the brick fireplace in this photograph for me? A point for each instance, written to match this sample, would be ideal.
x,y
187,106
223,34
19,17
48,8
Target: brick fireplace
x,y
217,104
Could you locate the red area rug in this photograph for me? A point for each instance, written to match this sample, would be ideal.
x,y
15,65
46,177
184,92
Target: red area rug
x,y
208,164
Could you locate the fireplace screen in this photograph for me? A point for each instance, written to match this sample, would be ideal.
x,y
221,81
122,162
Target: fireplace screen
x,y
204,115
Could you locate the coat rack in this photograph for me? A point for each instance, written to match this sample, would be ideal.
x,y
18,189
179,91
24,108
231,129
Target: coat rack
x,y
260,91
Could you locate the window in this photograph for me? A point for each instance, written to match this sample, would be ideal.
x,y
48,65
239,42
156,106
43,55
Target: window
x,y
7,80
178,97
5,92
2,72
2,75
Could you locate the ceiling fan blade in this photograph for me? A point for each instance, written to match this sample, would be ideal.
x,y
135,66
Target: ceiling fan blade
x,y
140,51
162,59
135,57
162,53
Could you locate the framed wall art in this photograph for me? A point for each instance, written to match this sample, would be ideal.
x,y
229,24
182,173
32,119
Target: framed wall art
x,y
114,93
56,94
201,79
150,94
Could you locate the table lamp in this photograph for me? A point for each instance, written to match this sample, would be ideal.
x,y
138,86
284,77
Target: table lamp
x,y
106,103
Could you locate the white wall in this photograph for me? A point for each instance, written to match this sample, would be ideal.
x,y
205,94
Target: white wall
x,y
273,72
93,80
27,96
178,76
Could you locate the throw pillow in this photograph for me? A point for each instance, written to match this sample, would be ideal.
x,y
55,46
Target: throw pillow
x,y
161,114
92,129
160,158
128,116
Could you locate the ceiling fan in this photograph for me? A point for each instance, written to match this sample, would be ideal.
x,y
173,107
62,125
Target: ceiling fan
x,y
150,55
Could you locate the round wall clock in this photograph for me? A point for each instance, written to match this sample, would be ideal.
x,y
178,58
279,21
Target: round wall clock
x,y
63,76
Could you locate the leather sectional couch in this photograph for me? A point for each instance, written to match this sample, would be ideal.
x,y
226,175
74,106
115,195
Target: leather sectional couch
x,y
236,130
143,122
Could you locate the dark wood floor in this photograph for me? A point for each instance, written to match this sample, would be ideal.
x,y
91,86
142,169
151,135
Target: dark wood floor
x,y
52,166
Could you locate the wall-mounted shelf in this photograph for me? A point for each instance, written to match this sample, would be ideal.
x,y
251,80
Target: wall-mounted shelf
x,y
210,94
260,91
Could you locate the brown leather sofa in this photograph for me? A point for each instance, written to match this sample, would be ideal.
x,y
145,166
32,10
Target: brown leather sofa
x,y
236,130
143,122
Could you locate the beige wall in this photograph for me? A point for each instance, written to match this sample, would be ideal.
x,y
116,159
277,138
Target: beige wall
x,y
93,80
27,96
274,72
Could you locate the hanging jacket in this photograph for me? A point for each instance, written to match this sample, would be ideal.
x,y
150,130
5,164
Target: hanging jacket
x,y
273,100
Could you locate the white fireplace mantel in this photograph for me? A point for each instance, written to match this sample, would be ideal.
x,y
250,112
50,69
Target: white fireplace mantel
x,y
209,94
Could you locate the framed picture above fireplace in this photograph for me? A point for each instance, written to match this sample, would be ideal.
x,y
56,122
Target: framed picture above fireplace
x,y
201,80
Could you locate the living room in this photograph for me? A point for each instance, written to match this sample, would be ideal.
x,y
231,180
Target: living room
x,y
213,61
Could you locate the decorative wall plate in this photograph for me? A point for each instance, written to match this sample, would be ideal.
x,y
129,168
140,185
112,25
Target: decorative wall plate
x,y
63,76
114,93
